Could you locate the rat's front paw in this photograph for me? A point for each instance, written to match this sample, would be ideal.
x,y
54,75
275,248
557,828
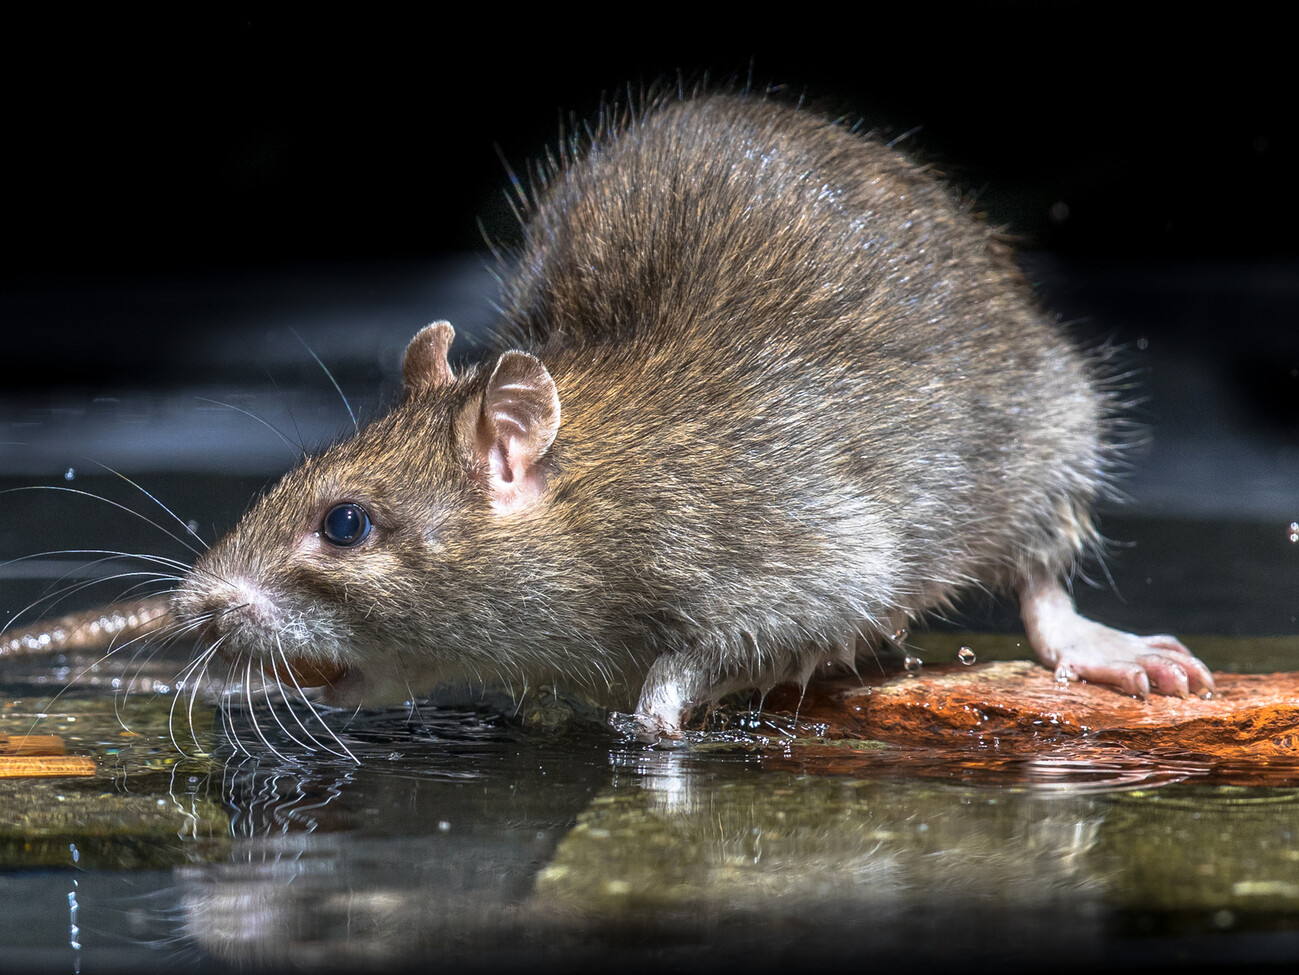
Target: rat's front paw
x,y
642,727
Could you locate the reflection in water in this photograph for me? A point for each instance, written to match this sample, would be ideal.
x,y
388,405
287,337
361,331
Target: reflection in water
x,y
425,850
465,836
391,862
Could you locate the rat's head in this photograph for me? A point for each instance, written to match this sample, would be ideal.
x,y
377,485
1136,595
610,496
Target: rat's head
x,y
353,570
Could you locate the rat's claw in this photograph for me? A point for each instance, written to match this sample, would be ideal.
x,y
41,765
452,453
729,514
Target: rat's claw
x,y
1174,669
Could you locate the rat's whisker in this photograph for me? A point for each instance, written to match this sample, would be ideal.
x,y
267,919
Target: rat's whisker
x,y
310,705
296,448
180,521
108,501
312,352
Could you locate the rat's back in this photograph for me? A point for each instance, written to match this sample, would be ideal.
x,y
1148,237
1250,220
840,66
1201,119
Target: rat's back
x,y
836,309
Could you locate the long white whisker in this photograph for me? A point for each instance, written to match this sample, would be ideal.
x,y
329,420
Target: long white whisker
x,y
119,701
312,353
108,552
227,719
199,676
297,449
306,700
279,686
184,524
52,599
193,674
108,501
346,753
112,650
252,713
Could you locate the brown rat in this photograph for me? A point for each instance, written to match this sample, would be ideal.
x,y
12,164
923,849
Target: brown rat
x,y
766,391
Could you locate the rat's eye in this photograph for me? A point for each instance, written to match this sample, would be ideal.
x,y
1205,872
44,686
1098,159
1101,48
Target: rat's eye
x,y
345,524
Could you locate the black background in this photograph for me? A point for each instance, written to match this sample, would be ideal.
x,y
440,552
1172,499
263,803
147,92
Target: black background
x,y
146,148
172,141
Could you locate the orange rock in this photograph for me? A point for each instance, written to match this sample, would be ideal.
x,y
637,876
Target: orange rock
x,y
1017,708
30,745
45,766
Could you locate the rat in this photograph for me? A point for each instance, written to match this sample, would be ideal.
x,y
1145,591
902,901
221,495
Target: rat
x,y
764,392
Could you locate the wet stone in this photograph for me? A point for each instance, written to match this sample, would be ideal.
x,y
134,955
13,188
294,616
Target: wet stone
x,y
1251,722
44,819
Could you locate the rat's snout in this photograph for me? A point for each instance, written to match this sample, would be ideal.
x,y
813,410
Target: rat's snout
x,y
231,613
241,619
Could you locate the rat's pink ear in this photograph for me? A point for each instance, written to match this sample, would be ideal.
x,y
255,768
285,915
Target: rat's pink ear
x,y
519,421
424,365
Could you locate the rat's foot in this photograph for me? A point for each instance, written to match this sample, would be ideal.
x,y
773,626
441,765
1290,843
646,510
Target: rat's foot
x,y
664,701
1080,649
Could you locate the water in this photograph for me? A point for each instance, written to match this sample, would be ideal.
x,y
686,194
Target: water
x,y
486,836
466,837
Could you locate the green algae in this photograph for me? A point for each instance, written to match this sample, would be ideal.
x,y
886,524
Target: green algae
x,y
751,847
748,846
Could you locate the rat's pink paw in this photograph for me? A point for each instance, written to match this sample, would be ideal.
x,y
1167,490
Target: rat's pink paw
x,y
1080,649
1133,664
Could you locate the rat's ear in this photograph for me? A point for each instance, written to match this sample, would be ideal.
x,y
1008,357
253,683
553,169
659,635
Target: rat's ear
x,y
518,423
424,366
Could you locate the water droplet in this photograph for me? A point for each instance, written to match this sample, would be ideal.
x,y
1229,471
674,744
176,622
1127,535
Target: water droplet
x,y
70,474
913,664
74,930
192,525
965,655
1143,343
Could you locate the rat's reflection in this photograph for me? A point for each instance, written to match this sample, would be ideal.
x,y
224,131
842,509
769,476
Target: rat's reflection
x,y
499,846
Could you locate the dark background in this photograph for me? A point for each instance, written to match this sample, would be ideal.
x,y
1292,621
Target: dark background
x,y
170,142
167,172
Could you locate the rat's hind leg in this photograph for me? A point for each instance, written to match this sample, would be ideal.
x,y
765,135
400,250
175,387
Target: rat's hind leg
x,y
1079,649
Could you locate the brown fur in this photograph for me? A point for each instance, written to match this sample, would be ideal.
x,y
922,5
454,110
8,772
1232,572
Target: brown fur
x,y
805,397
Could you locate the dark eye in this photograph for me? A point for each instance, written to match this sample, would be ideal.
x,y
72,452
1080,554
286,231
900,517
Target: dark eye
x,y
345,524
